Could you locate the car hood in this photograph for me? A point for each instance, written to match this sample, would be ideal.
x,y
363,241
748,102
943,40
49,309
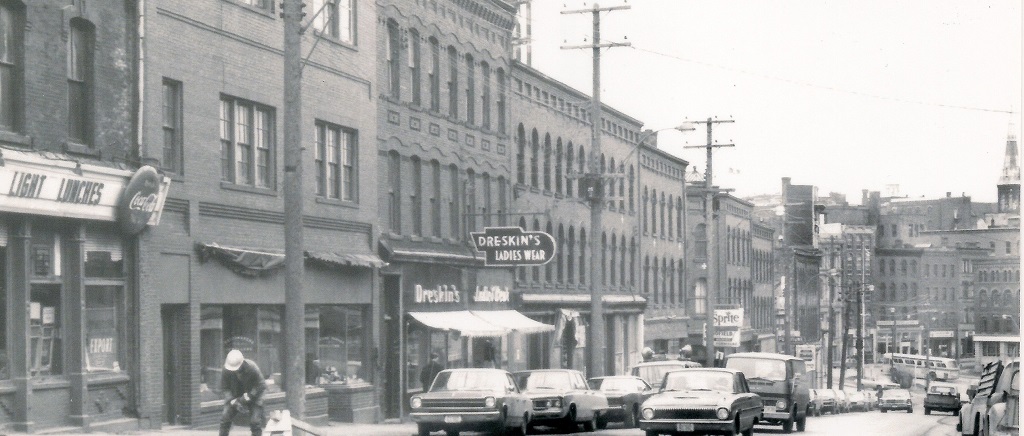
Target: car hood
x,y
460,394
691,398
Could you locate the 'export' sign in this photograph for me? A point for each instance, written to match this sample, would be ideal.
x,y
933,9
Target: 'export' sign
x,y
512,246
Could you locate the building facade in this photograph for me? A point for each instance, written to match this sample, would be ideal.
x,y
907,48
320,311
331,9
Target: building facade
x,y
213,277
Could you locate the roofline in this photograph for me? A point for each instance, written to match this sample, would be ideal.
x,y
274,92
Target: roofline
x,y
515,64
647,147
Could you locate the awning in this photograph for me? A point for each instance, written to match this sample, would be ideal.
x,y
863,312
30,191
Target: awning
x,y
513,320
347,259
462,321
244,261
398,250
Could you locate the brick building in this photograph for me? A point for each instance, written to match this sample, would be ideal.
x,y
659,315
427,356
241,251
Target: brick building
x,y
69,260
444,159
212,271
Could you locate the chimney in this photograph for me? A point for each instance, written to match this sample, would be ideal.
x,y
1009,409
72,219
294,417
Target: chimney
x,y
949,194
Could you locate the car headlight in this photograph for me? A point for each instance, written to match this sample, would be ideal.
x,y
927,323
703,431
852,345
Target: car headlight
x,y
648,413
908,401
489,402
722,413
556,402
416,402
780,405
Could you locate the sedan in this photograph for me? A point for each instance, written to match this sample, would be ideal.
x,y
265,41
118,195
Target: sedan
x,y
895,399
858,401
702,401
826,401
471,399
562,398
625,394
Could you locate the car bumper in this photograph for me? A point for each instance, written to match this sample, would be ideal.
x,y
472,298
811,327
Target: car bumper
x,y
678,425
456,419
895,407
541,416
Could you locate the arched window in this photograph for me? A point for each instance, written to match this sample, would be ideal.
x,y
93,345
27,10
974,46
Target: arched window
x,y
502,118
622,260
583,256
983,298
547,162
394,56
613,249
485,95
632,180
995,298
646,285
903,267
654,212
569,169
536,269
622,188
913,267
469,194
671,206
570,270
558,166
892,267
394,192
560,256
656,278
632,263
904,296
453,82
882,291
534,159
522,269
548,273
581,162
661,217
520,155
434,76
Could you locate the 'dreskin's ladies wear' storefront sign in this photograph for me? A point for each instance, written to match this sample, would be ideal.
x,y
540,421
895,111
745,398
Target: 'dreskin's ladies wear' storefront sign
x,y
513,246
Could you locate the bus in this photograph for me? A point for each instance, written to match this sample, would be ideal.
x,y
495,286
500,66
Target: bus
x,y
932,367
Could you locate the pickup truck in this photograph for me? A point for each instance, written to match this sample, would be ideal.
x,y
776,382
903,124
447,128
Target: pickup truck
x,y
943,398
993,409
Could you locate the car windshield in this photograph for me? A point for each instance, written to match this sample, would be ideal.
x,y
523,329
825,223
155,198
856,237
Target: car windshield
x,y
654,373
545,380
469,381
943,390
699,381
616,384
895,393
754,368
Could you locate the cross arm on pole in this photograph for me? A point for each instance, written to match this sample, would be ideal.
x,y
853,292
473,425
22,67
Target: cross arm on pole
x,y
597,9
592,46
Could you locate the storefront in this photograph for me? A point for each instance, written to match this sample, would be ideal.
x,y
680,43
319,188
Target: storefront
x,y
68,268
448,303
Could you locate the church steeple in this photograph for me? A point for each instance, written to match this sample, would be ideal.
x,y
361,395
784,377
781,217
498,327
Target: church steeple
x,y
1009,180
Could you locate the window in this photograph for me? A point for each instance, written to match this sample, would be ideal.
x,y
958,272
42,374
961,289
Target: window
x,y
335,343
485,95
453,82
80,81
469,195
534,163
435,75
700,240
500,77
335,161
266,5
12,27
172,156
102,326
547,162
417,196
435,199
453,202
470,90
395,192
414,66
255,330
502,201
521,155
1009,247
700,296
394,43
568,169
247,143
334,18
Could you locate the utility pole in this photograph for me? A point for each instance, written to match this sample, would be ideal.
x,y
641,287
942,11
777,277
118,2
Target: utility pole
x,y
595,184
711,234
860,318
831,309
294,307
846,338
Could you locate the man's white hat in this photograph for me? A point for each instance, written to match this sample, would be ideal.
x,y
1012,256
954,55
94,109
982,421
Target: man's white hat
x,y
234,360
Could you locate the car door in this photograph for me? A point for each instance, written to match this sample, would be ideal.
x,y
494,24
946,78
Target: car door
x,y
748,403
517,401
801,384
585,397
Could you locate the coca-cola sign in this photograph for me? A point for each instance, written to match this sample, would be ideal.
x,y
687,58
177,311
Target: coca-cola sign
x,y
140,200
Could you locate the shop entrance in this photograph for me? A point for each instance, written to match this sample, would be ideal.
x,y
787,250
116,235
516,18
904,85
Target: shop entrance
x,y
175,323
391,336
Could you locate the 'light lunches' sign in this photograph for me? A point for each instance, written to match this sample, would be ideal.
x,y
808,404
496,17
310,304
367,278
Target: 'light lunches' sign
x,y
512,246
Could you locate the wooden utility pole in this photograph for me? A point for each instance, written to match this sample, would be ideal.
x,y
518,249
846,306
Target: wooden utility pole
x,y
595,184
831,310
860,317
711,234
294,303
846,322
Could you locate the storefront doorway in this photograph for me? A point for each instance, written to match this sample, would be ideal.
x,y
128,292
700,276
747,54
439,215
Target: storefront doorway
x,y
391,336
175,323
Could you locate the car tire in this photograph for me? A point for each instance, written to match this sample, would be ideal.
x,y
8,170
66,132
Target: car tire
x,y
801,423
748,431
884,410
522,429
787,425
451,433
633,418
570,423
421,430
910,410
591,425
927,411
650,433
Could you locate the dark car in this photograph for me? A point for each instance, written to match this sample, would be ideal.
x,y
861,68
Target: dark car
x,y
895,399
562,398
471,399
625,393
942,398
653,372
702,401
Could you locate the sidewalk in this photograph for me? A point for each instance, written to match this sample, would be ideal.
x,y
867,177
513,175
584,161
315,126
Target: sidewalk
x,y
331,429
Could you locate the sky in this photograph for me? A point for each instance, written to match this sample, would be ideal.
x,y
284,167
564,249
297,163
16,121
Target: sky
x,y
845,95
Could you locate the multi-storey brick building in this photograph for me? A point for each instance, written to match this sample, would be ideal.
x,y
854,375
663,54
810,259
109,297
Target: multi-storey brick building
x,y
69,274
641,242
444,162
212,278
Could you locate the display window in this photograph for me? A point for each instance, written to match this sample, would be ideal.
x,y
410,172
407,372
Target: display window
x,y
336,346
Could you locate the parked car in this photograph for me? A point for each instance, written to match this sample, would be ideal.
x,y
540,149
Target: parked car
x,y
943,398
625,394
842,401
702,400
781,382
654,372
993,408
858,402
471,399
896,399
827,400
562,398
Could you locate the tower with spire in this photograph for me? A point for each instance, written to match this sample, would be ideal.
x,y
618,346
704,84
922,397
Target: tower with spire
x,y
1009,180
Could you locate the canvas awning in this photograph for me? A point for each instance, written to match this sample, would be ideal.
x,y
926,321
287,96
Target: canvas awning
x,y
462,321
347,259
244,261
513,320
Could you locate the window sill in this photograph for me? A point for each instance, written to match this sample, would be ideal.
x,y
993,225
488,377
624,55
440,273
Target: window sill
x,y
106,378
335,40
336,202
250,189
265,12
50,382
15,138
81,149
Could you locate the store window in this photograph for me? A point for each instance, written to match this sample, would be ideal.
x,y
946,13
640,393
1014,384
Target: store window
x,y
335,345
255,330
5,372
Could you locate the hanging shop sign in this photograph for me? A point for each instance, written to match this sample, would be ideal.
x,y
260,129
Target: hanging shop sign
x,y
513,246
809,353
727,338
142,200
728,318
33,183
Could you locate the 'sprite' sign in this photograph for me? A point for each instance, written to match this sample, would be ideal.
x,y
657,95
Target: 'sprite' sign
x,y
512,246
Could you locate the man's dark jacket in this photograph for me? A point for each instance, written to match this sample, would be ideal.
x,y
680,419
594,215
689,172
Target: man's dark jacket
x,y
247,379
